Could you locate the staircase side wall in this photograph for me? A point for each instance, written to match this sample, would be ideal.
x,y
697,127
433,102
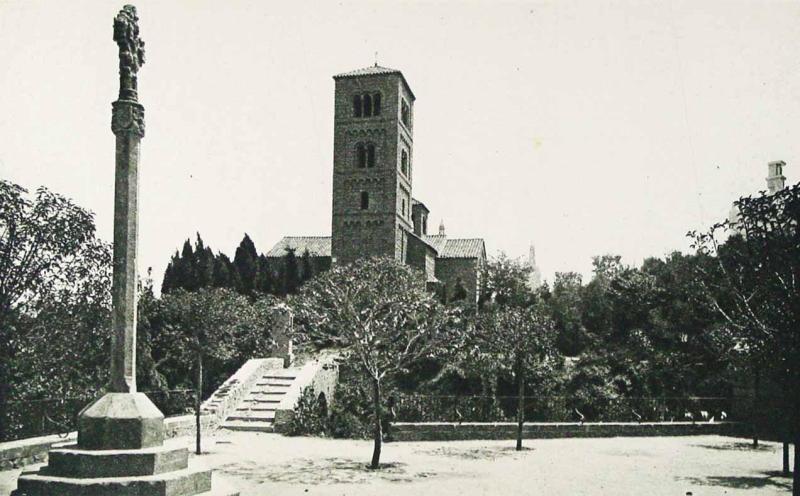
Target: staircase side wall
x,y
228,396
320,375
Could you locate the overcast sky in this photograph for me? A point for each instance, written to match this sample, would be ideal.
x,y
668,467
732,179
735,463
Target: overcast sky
x,y
582,127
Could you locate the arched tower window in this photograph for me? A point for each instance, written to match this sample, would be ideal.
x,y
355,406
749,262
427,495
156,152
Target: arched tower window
x,y
376,104
370,155
405,113
367,105
357,106
361,155
404,162
364,200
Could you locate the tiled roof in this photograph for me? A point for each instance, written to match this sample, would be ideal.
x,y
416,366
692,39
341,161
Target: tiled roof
x,y
375,70
437,242
319,246
368,71
463,248
415,202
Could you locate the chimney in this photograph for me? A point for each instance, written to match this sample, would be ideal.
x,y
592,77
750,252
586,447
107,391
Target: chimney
x,y
775,178
441,228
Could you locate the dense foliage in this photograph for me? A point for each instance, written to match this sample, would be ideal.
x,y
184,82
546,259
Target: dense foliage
x,y
54,292
250,273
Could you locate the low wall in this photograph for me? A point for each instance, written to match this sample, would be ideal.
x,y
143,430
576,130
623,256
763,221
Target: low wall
x,y
22,452
447,431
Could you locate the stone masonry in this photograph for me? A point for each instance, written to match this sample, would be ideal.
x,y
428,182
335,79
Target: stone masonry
x,y
374,211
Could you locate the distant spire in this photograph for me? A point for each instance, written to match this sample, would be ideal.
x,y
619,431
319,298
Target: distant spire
x,y
441,228
376,58
535,276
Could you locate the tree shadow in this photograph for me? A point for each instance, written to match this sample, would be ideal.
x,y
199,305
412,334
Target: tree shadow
x,y
769,479
489,453
737,446
321,471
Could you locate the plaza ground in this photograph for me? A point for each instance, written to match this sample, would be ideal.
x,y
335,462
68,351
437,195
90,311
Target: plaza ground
x,y
270,464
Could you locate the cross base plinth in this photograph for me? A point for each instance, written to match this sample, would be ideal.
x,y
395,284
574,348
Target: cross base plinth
x,y
121,421
120,452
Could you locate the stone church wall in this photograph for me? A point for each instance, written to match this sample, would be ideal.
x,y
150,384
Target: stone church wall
x,y
450,270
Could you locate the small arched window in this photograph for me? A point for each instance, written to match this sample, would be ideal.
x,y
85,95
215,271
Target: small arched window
x,y
376,104
370,155
364,200
404,207
357,106
367,105
404,162
361,155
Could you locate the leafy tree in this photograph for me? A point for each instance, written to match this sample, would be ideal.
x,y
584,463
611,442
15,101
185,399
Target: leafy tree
x,y
597,306
203,325
49,257
505,282
379,312
565,305
521,339
755,286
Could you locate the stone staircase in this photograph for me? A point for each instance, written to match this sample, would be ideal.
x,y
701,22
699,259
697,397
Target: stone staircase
x,y
257,410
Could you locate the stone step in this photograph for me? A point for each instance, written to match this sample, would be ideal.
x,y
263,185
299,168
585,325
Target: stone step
x,y
77,463
273,384
279,377
253,416
268,393
260,401
178,483
256,409
236,425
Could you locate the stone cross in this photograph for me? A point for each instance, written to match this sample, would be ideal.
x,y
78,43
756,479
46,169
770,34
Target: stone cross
x,y
127,124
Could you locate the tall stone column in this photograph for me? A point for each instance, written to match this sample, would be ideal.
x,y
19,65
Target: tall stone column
x,y
120,446
127,123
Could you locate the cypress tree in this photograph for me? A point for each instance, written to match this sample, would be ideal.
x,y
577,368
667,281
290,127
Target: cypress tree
x,y
263,277
186,268
204,263
245,261
291,275
168,283
306,267
222,272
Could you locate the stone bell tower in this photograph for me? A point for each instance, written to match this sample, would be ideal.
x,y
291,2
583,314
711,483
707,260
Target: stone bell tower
x,y
372,164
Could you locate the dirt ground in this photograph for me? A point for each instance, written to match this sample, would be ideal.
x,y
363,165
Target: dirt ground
x,y
269,464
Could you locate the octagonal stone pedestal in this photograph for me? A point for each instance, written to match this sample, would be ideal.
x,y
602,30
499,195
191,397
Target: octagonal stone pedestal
x,y
121,421
120,452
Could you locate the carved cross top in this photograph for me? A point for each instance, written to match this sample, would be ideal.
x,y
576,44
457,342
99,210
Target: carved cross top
x,y
131,51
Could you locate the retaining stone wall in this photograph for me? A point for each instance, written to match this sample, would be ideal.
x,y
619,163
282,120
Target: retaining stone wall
x,y
446,431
